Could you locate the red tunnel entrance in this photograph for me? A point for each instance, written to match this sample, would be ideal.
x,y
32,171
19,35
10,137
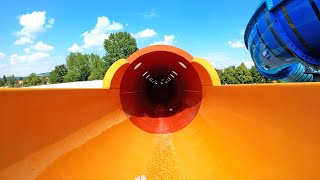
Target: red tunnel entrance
x,y
161,91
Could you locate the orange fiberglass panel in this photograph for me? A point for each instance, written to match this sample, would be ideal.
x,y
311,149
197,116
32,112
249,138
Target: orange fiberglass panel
x,y
34,118
239,132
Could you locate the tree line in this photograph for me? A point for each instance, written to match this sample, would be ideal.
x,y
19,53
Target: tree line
x,y
242,75
120,45
10,81
14,82
87,67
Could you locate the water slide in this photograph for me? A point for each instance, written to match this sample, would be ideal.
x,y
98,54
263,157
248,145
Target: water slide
x,y
283,39
161,114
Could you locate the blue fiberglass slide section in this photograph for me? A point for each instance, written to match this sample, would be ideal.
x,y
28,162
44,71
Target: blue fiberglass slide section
x,y
283,37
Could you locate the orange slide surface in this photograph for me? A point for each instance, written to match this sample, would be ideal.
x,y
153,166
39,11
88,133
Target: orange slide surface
x,y
240,132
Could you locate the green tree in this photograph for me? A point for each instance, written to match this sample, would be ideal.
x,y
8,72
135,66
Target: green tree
x,y
5,81
32,80
44,80
78,67
119,46
219,72
97,67
54,77
1,83
18,86
243,75
228,76
257,77
11,81
57,75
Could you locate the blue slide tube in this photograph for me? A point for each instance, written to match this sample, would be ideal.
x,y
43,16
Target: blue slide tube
x,y
283,37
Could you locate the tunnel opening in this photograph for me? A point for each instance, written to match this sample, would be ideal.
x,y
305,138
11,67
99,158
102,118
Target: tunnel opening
x,y
161,92
162,97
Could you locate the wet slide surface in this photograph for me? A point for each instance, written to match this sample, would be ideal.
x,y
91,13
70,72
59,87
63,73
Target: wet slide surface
x,y
240,132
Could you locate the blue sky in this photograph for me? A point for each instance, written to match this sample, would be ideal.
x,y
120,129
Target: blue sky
x,y
37,35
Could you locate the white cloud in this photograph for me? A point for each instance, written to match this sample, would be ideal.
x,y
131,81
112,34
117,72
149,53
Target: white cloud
x,y
96,36
23,40
147,33
150,15
75,48
219,60
167,40
115,26
249,64
50,23
32,23
2,55
236,44
40,46
27,50
24,69
30,58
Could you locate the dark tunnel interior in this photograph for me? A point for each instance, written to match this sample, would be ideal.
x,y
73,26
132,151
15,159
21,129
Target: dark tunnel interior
x,y
160,88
